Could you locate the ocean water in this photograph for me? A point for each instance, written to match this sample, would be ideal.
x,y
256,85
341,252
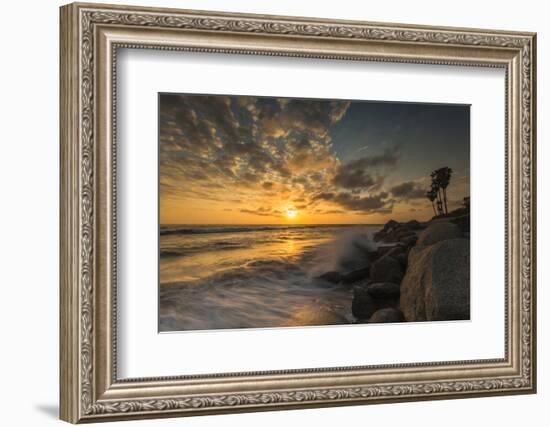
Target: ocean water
x,y
258,276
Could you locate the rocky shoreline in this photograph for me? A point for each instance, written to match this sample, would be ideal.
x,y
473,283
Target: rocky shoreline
x,y
419,272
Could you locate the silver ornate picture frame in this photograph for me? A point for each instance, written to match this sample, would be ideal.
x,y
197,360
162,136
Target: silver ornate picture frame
x,y
90,388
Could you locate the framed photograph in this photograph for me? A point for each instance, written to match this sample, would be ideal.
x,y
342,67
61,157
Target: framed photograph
x,y
264,212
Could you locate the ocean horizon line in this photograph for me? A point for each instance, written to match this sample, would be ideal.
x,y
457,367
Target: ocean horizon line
x,y
166,229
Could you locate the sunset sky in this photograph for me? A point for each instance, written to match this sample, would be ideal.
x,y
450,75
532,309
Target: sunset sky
x,y
253,160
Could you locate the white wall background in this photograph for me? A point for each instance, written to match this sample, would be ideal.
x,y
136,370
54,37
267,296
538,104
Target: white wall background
x,y
29,170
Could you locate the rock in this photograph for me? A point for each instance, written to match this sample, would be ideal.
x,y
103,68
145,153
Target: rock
x,y
390,225
387,315
436,285
409,241
362,305
463,222
386,269
384,294
384,249
403,234
460,211
395,251
387,230
356,275
384,290
438,232
331,276
379,236
413,224
396,232
354,259
402,258
373,255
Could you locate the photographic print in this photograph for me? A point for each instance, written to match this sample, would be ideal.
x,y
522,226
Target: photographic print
x,y
278,212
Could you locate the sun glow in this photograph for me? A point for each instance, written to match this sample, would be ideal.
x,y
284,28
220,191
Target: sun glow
x,y
291,213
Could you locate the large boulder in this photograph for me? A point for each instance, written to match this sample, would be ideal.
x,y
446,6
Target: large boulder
x,y
384,290
384,250
409,241
386,269
356,275
386,231
390,225
362,305
463,222
395,251
379,236
437,232
402,258
373,255
387,315
403,233
436,285
393,231
413,224
385,294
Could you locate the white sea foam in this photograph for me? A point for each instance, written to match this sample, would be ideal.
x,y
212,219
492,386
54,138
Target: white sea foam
x,y
261,277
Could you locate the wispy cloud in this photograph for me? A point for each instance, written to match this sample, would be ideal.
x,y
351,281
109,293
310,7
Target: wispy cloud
x,y
408,190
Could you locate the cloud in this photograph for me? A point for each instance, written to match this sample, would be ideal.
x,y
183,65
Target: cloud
x,y
330,211
309,154
299,115
261,211
389,157
365,204
249,142
359,174
408,190
351,178
250,177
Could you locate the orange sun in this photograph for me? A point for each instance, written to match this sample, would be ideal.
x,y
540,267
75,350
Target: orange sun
x,y
291,213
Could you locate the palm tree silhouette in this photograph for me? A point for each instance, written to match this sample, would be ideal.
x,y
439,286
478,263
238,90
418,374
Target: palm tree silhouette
x,y
444,179
431,195
436,189
441,178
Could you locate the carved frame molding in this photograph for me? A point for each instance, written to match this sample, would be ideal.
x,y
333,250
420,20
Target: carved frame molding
x,y
90,37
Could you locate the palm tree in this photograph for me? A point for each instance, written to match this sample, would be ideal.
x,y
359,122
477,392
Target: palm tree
x,y
441,179
436,189
444,178
431,197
